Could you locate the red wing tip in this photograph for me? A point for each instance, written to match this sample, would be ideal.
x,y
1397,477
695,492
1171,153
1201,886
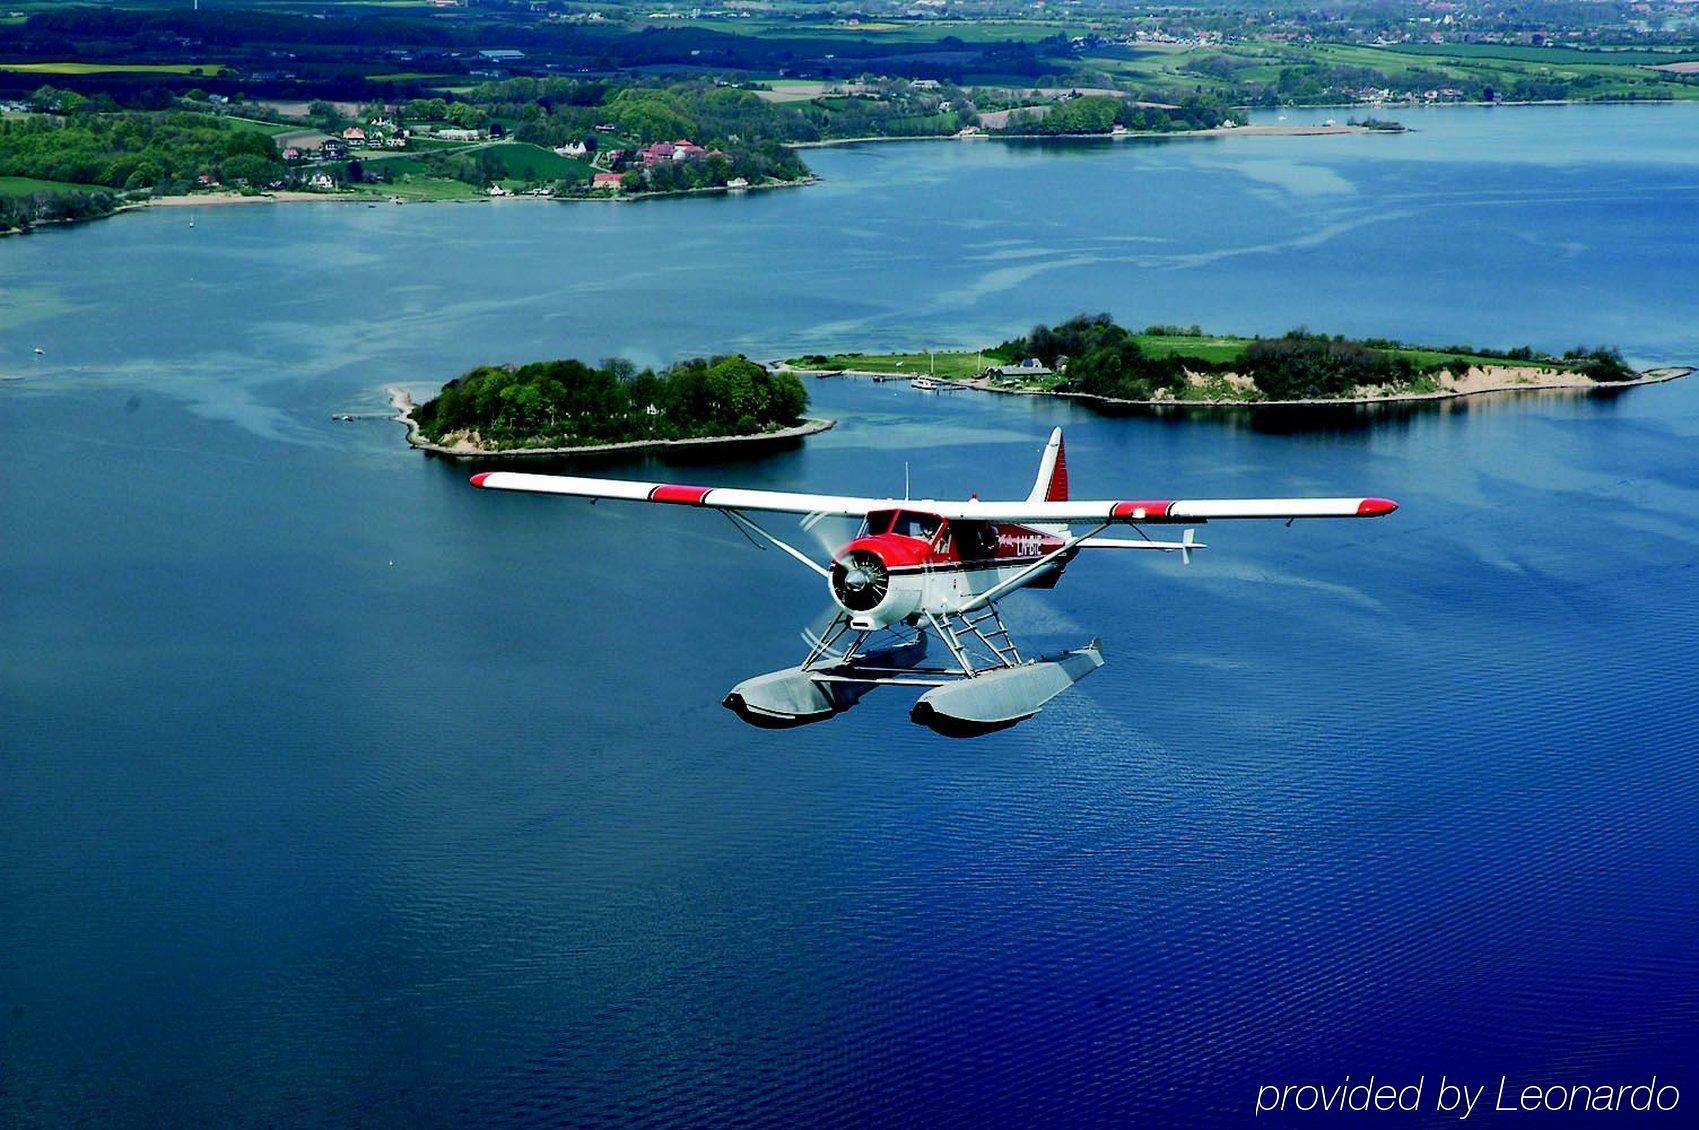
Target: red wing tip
x,y
1375,507
478,479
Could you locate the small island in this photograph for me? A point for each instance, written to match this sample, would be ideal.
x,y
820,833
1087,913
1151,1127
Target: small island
x,y
1092,358
568,407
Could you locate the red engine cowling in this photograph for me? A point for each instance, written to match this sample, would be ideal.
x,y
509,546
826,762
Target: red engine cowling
x,y
879,580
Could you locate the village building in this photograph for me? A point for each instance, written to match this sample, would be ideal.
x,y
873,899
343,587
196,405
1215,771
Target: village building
x,y
663,151
1028,367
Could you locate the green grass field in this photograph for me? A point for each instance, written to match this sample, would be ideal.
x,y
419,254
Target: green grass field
x,y
879,31
113,68
522,161
953,365
1551,56
29,186
422,187
1598,74
270,129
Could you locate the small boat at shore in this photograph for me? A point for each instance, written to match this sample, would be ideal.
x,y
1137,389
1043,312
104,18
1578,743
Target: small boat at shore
x,y
927,384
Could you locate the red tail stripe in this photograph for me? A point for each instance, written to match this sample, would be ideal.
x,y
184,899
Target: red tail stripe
x,y
478,479
686,496
1058,491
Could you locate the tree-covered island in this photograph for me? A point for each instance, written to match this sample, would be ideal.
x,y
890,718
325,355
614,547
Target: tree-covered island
x,y
566,404
1092,356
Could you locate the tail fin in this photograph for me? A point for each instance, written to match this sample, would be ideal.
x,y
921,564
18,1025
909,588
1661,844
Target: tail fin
x,y
1052,482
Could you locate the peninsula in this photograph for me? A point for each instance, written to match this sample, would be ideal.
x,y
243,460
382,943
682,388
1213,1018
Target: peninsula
x,y
1093,358
567,407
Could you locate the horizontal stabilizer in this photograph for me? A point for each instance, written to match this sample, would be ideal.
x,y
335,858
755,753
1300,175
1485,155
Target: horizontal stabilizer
x,y
1140,543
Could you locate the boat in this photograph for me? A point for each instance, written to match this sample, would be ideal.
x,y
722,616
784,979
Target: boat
x,y
927,384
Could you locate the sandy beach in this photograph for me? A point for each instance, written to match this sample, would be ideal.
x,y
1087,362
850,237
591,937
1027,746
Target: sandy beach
x,y
223,199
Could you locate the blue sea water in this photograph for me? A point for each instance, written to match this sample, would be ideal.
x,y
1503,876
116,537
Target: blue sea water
x,y
333,790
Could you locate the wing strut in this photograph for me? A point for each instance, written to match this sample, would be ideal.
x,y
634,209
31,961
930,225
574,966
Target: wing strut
x,y
747,525
1030,571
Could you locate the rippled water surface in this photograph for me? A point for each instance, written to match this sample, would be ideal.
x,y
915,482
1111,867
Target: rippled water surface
x,y
331,789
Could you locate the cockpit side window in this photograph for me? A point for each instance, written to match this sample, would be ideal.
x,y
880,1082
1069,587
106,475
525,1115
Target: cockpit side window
x,y
976,540
922,526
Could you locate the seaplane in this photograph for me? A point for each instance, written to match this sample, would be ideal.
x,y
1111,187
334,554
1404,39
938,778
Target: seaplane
x,y
920,569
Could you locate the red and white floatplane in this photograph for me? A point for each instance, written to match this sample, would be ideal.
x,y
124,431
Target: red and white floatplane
x,y
922,567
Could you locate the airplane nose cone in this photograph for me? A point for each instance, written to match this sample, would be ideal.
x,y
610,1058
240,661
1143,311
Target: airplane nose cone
x,y
856,579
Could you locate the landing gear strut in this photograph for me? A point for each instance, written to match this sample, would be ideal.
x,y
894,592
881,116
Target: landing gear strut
x,y
988,685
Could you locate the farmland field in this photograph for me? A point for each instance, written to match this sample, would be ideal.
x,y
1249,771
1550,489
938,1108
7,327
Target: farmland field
x,y
68,68
29,186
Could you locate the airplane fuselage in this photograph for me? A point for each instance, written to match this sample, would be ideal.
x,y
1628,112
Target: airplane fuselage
x,y
909,563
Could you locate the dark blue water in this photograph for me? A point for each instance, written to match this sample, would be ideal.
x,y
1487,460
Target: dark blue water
x,y
292,834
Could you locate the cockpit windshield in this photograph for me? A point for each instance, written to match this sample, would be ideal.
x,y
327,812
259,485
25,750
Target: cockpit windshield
x,y
904,523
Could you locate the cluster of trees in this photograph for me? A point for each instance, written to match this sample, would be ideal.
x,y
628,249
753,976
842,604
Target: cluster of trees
x,y
1302,366
1102,358
461,115
569,403
887,108
20,213
138,151
749,132
1314,83
1100,113
1599,363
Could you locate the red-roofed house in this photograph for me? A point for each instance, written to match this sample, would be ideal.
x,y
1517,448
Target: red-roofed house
x,y
603,181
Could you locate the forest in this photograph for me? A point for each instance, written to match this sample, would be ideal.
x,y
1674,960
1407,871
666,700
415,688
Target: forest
x,y
568,403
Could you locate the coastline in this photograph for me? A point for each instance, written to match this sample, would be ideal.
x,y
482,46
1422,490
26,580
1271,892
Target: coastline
x,y
713,190
1214,131
1658,375
402,401
295,196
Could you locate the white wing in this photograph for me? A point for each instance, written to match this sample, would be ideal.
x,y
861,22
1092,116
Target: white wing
x,y
1062,512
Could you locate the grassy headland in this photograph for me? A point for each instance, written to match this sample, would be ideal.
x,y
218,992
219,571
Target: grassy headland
x,y
1092,356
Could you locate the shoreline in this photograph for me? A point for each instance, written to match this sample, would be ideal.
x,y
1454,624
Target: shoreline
x,y
1659,375
712,190
402,401
221,199
1253,130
